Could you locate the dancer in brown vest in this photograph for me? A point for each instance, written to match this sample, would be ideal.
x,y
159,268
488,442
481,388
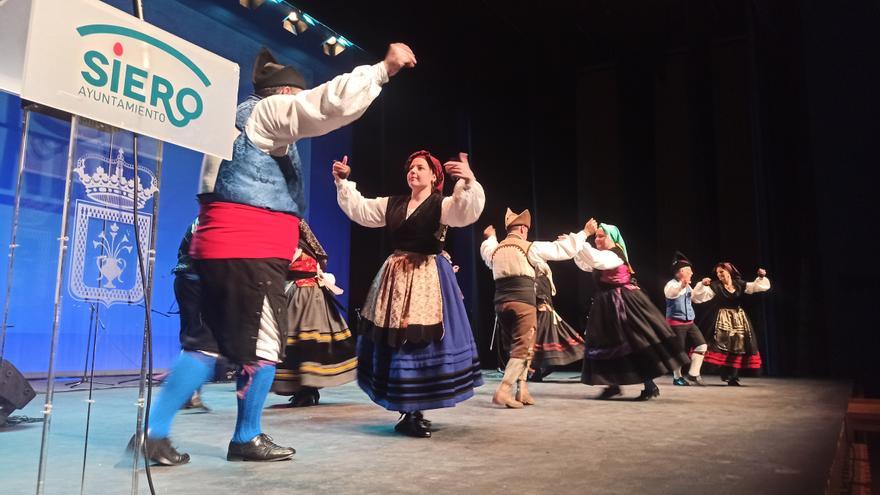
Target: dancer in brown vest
x,y
514,262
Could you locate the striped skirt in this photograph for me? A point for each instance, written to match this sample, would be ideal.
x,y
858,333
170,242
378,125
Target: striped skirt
x,y
320,348
424,375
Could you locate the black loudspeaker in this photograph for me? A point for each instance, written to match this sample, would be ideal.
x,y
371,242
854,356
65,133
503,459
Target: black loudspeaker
x,y
15,391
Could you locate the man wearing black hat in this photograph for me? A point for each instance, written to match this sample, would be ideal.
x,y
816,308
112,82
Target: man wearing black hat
x,y
249,214
680,315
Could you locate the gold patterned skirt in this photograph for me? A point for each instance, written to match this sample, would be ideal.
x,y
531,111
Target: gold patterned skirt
x,y
404,303
732,341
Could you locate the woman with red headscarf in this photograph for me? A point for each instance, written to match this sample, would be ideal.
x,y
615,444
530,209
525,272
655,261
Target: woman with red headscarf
x,y
733,346
416,349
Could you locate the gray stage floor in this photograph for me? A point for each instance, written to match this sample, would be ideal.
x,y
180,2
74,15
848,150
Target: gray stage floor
x,y
773,436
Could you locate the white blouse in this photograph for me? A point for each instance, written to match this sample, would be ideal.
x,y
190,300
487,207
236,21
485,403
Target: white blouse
x,y
590,258
703,293
461,209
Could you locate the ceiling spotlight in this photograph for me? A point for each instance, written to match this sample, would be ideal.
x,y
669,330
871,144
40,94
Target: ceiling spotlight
x,y
255,4
335,45
295,22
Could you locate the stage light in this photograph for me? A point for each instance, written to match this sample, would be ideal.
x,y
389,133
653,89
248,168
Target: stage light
x,y
295,22
255,4
335,45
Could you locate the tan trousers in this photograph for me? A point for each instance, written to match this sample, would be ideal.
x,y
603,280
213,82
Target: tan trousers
x,y
519,320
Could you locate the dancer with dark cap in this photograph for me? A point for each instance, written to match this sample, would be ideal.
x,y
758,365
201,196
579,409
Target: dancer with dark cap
x,y
680,316
248,233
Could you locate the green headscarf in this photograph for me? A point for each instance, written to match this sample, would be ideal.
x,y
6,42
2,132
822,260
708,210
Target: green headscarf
x,y
614,233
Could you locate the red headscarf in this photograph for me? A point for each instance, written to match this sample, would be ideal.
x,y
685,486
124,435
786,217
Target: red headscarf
x,y
434,163
728,266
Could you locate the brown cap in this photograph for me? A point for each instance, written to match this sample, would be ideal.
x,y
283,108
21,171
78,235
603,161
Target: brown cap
x,y
511,219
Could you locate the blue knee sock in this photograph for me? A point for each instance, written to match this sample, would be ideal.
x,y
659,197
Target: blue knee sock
x,y
190,371
253,387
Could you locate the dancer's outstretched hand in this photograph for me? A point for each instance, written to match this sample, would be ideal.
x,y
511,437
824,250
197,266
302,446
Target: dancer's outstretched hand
x,y
460,169
398,57
341,170
488,232
707,281
762,273
591,226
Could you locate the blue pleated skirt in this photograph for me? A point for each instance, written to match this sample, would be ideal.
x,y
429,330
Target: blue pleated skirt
x,y
434,375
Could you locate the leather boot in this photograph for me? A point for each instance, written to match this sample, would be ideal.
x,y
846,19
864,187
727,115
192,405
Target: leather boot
x,y
504,393
522,393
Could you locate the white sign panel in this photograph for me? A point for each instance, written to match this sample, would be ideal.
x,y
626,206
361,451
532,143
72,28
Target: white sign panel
x,y
13,37
90,59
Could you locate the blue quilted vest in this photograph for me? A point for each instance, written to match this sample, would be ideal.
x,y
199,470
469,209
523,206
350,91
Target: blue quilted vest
x,y
259,179
681,308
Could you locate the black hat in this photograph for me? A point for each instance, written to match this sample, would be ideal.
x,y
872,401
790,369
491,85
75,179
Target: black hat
x,y
268,73
679,261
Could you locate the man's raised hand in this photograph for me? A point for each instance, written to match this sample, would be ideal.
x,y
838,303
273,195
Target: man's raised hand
x,y
398,57
341,170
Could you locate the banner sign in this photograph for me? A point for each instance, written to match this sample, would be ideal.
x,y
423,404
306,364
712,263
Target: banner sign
x,y
14,16
92,60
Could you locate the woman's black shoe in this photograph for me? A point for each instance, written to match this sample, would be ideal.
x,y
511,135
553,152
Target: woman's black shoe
x,y
261,448
159,451
421,418
609,392
649,393
411,425
306,397
734,382
538,375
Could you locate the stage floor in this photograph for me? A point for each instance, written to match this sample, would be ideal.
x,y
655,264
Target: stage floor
x,y
772,436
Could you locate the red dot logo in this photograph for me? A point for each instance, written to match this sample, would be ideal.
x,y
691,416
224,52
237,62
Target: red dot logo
x,y
117,49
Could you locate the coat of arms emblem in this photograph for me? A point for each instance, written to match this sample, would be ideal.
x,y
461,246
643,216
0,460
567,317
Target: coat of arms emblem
x,y
104,264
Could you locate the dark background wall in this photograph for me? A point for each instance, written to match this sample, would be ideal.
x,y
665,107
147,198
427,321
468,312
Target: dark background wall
x,y
732,130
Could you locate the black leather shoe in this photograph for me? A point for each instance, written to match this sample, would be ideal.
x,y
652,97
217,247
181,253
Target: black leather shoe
x,y
410,425
649,393
306,397
538,375
734,382
609,392
421,418
261,448
159,451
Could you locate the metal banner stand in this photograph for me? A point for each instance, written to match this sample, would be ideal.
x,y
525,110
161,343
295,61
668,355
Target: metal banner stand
x,y
19,176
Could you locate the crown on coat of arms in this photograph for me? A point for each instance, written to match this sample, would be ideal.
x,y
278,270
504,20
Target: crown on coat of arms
x,y
106,182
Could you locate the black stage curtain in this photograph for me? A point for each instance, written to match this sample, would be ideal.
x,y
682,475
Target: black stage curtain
x,y
733,131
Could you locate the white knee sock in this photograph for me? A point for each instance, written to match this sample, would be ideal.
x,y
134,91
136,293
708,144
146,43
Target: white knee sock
x,y
697,359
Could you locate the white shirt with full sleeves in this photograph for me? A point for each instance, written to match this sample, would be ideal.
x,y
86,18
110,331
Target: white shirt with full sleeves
x,y
461,209
278,121
540,252
703,293
590,258
673,289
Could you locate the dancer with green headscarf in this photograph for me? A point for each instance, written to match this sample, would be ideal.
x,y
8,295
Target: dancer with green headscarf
x,y
628,339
